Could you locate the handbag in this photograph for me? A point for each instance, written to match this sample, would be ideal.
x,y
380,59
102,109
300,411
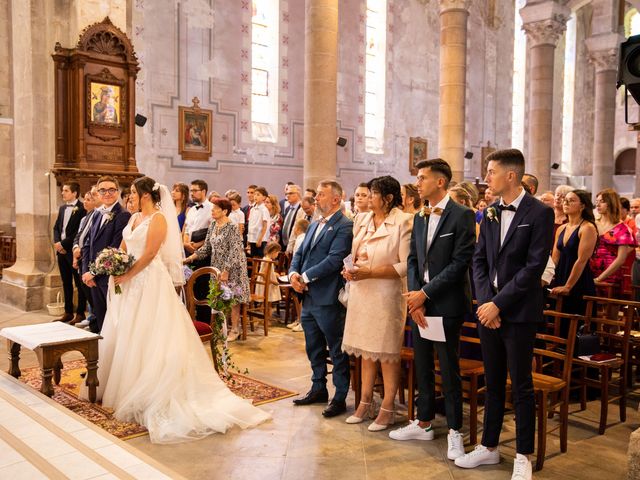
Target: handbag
x,y
343,295
587,343
199,235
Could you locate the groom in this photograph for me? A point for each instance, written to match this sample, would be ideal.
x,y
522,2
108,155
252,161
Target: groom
x,y
315,274
106,231
516,235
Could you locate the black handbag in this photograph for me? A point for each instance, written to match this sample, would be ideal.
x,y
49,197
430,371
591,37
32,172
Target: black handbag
x,y
199,235
587,343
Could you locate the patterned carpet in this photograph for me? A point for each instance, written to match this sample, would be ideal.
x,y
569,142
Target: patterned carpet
x,y
66,394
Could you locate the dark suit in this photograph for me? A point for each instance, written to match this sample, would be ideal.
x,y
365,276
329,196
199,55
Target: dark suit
x,y
323,315
100,237
246,210
449,296
287,228
65,260
518,263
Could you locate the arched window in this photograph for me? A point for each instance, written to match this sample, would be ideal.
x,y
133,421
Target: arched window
x,y
569,94
264,70
375,78
519,80
632,23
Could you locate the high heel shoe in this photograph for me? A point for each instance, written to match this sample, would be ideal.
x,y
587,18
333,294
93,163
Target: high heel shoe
x,y
376,427
370,413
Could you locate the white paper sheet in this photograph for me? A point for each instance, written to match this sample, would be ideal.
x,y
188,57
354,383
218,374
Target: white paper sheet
x,y
434,330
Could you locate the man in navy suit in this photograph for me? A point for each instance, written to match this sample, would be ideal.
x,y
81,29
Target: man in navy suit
x,y
64,231
106,231
315,274
516,236
442,243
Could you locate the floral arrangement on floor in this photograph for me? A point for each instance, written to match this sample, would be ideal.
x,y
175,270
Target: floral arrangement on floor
x,y
222,297
112,261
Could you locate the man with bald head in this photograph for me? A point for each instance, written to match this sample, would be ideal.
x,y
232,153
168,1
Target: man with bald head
x,y
291,213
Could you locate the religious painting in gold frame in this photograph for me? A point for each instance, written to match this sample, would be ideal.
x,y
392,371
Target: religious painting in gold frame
x,y
417,152
195,125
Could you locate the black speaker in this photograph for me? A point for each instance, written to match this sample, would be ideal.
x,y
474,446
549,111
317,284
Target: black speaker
x,y
341,142
555,166
629,69
140,120
468,155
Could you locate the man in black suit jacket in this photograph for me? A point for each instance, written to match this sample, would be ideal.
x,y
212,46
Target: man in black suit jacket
x,y
106,231
251,190
516,236
64,231
442,245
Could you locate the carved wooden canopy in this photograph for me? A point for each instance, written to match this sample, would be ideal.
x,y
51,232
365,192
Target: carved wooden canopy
x,y
95,106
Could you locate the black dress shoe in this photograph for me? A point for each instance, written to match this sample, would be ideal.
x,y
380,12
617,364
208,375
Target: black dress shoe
x,y
336,407
319,396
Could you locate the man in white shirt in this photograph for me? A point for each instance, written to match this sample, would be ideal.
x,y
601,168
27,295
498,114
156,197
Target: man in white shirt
x,y
196,226
259,220
236,215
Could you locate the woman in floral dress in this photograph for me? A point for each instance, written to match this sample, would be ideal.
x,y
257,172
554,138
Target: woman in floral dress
x,y
224,244
275,227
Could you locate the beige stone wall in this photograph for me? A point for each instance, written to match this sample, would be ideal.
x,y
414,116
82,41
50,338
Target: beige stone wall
x,y
7,195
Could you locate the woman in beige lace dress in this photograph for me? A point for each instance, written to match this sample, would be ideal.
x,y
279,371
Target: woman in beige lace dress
x,y
374,326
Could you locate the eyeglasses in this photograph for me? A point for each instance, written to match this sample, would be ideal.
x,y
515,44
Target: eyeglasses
x,y
193,190
110,191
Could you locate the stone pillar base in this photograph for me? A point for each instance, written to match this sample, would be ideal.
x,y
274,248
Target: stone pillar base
x,y
26,289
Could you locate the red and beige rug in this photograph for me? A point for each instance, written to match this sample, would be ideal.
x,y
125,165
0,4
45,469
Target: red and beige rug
x,y
66,394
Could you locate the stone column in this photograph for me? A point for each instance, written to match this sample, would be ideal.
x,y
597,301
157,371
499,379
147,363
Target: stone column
x,y
603,54
543,23
453,83
320,91
26,284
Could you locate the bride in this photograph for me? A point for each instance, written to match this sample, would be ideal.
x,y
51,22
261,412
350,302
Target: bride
x,y
153,368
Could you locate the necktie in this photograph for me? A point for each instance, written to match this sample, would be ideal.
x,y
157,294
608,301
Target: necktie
x,y
307,218
434,210
511,208
288,222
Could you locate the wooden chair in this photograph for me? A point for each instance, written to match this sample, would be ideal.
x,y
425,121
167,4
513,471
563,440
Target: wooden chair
x,y
612,323
7,252
204,330
258,306
552,381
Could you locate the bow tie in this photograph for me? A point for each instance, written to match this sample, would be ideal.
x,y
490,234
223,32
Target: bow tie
x,y
198,207
69,205
511,208
105,212
434,210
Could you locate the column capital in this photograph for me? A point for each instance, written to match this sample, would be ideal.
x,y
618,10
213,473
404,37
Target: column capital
x,y
603,50
544,23
448,5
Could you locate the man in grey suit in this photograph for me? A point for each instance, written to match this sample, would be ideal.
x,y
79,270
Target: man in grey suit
x,y
315,275
442,244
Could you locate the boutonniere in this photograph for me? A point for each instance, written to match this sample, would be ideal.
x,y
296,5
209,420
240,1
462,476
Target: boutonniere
x,y
424,211
492,215
110,216
74,210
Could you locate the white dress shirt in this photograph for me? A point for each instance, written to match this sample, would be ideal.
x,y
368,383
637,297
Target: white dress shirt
x,y
434,220
67,215
258,214
104,211
236,217
506,217
198,218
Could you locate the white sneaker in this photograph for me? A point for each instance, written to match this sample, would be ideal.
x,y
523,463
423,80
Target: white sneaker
x,y
413,431
481,455
297,328
521,468
82,324
455,445
293,325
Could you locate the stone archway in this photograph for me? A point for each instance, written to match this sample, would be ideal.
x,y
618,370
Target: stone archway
x,y
625,163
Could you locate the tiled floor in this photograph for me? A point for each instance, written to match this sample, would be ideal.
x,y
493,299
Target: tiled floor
x,y
300,444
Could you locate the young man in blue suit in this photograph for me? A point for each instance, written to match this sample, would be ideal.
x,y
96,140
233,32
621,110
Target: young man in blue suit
x,y
516,236
106,231
315,275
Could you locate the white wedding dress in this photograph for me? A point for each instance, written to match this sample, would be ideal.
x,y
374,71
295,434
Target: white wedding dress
x,y
153,369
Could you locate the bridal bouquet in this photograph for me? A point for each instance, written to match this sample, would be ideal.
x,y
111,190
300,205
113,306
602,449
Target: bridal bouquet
x,y
222,297
112,261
